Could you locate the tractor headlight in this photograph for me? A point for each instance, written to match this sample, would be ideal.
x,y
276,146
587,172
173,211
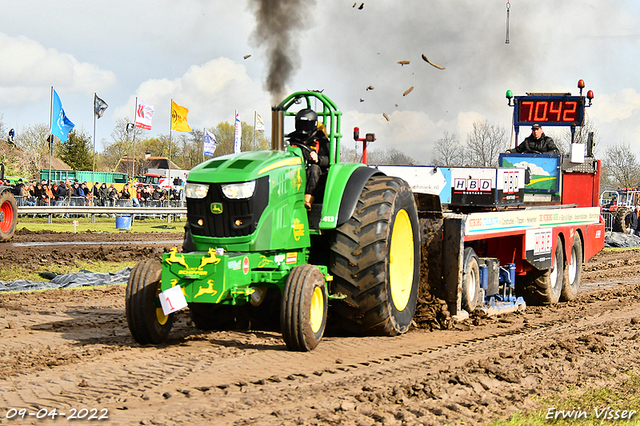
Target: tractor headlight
x,y
196,190
236,191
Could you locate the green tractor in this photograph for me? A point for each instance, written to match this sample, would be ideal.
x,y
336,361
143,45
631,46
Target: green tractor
x,y
354,259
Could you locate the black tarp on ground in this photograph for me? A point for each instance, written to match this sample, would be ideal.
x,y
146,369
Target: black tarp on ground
x,y
617,239
75,279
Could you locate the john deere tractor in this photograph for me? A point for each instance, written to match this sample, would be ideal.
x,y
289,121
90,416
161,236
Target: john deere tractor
x,y
353,259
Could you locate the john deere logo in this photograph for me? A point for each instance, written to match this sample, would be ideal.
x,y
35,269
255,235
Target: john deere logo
x,y
216,208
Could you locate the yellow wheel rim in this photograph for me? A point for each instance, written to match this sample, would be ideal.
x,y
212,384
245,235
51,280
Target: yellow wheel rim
x,y
317,309
160,316
401,261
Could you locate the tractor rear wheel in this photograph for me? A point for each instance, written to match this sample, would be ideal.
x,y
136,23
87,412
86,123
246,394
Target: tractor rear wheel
x,y
8,215
621,220
573,271
303,316
545,287
375,261
147,322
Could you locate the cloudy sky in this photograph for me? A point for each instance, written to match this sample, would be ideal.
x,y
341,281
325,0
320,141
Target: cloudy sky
x,y
192,51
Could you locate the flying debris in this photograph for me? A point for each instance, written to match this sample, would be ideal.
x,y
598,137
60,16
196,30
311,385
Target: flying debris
x,y
429,62
369,88
361,6
246,56
407,91
403,63
361,100
396,105
385,116
354,5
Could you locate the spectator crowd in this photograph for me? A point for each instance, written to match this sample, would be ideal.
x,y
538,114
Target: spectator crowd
x,y
68,193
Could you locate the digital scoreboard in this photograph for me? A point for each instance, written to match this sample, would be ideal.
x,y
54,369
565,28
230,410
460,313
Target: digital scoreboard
x,y
549,110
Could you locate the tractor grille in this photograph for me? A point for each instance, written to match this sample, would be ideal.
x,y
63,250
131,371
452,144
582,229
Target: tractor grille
x,y
238,217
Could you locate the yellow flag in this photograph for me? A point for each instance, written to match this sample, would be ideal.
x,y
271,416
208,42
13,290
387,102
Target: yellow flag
x,y
179,118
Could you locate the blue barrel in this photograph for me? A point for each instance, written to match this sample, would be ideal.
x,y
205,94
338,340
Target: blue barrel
x,y
123,222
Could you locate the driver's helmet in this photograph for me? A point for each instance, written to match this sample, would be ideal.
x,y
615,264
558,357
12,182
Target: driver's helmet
x,y
306,121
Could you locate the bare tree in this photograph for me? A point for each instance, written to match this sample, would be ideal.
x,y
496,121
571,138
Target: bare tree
x,y
622,165
390,156
3,128
33,140
485,142
448,151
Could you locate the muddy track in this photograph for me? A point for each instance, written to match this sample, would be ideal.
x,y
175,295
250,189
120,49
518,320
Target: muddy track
x,y
72,350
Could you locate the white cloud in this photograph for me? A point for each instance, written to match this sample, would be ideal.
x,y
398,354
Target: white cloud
x,y
211,92
29,69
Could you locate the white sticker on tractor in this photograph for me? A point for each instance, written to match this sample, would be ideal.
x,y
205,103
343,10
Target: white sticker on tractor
x,y
172,300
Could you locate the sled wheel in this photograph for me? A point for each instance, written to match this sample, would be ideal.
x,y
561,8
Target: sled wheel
x,y
303,315
573,271
545,287
147,322
8,216
621,220
470,280
375,261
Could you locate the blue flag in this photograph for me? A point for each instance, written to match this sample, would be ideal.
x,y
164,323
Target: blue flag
x,y
60,124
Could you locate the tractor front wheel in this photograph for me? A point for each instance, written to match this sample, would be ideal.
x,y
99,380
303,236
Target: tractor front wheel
x,y
303,316
470,280
622,220
375,261
147,322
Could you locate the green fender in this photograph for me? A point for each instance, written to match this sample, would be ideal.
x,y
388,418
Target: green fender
x,y
345,182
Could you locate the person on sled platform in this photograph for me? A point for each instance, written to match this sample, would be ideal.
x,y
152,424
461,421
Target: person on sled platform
x,y
313,140
536,143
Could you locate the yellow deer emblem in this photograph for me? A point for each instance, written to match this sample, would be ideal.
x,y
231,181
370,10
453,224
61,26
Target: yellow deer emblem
x,y
205,290
211,260
175,258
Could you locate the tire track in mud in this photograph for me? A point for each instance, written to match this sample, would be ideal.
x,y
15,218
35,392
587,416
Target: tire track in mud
x,y
245,366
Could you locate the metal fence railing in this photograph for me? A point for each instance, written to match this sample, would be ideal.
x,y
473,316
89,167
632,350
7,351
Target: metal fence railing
x,y
608,220
51,211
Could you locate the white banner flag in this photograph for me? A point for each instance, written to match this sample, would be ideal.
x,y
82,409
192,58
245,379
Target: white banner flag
x,y
144,114
236,145
210,143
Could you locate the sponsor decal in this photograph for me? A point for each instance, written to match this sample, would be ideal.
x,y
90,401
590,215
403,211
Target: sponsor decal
x,y
292,258
279,258
234,265
298,230
245,265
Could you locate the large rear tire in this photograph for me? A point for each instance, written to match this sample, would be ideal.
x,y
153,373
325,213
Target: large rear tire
x,y
147,322
622,220
573,271
375,261
545,287
8,216
303,315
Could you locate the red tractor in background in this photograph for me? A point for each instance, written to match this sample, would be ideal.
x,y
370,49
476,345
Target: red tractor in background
x,y
619,205
8,210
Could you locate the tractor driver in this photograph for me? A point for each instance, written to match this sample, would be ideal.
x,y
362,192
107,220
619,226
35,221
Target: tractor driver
x,y
537,143
316,157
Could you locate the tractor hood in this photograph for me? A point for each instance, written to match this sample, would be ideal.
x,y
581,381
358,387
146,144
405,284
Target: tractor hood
x,y
242,167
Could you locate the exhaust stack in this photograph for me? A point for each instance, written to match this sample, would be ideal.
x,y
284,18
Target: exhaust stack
x,y
277,129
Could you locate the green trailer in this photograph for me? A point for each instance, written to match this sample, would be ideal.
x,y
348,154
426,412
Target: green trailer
x,y
249,241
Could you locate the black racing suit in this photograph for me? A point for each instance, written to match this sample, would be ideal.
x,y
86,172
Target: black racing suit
x,y
544,145
316,171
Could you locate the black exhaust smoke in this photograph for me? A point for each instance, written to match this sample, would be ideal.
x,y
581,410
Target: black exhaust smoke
x,y
278,23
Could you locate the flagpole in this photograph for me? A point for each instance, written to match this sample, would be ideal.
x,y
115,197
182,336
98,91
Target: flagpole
x,y
170,125
254,128
93,171
50,137
133,146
